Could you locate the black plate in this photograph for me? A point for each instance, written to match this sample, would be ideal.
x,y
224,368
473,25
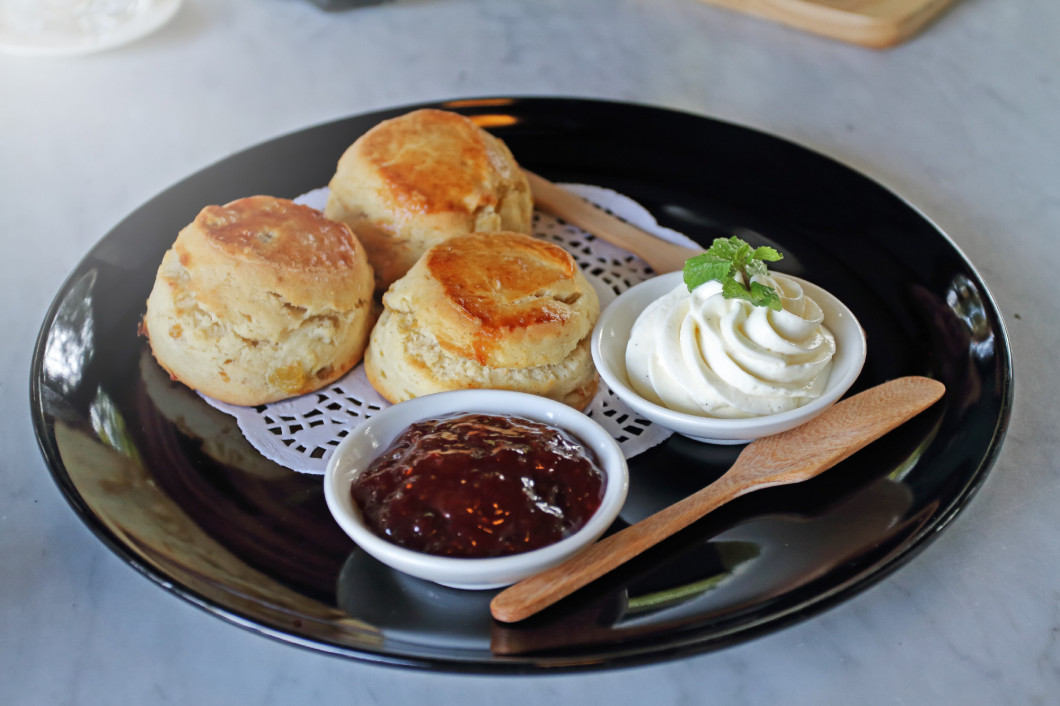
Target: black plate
x,y
170,485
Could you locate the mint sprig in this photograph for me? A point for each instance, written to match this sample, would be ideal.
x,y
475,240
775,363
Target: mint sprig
x,y
727,258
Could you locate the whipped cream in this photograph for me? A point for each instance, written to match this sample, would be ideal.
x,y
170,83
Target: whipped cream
x,y
700,353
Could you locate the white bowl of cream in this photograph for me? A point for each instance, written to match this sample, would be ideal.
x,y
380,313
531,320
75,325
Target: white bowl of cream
x,y
721,370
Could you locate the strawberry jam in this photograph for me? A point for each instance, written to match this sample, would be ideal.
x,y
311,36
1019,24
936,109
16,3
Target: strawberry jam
x,y
478,485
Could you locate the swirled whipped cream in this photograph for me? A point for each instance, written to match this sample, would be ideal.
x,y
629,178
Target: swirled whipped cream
x,y
700,353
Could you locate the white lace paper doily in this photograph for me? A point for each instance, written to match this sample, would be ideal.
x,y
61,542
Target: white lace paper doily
x,y
302,432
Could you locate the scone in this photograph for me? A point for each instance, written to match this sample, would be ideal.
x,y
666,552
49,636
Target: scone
x,y
414,181
259,300
494,310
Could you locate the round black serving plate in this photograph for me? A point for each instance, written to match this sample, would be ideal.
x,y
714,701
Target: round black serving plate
x,y
169,484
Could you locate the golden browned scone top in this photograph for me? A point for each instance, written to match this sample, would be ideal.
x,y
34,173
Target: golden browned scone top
x,y
494,278
502,299
280,248
415,180
433,161
279,231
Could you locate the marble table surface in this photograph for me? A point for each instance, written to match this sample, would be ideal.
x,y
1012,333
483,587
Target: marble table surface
x,y
963,121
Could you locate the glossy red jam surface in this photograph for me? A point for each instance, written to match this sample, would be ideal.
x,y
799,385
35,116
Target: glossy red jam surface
x,y
478,485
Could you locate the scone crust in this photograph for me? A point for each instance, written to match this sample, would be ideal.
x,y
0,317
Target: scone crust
x,y
415,180
495,310
259,300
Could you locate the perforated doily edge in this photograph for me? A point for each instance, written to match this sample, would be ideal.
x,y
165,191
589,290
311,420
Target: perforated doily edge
x,y
277,449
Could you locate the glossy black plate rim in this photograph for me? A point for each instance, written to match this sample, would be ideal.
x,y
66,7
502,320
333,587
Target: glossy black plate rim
x,y
616,657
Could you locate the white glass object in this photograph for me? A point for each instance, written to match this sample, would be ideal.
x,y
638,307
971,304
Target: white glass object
x,y
68,27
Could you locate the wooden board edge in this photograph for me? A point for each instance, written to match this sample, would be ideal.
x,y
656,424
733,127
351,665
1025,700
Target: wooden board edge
x,y
877,31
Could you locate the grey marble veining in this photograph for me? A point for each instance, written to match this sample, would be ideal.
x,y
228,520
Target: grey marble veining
x,y
963,121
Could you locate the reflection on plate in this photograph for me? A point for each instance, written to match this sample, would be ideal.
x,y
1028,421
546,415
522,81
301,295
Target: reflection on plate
x,y
173,490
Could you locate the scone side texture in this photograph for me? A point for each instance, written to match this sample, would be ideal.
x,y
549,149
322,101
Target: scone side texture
x,y
249,320
404,361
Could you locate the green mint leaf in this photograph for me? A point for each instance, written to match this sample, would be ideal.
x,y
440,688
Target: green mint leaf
x,y
730,260
761,295
705,268
755,267
731,289
767,253
744,253
725,249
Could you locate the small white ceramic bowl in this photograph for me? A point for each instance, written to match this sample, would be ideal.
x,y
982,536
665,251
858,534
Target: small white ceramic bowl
x,y
609,353
372,437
